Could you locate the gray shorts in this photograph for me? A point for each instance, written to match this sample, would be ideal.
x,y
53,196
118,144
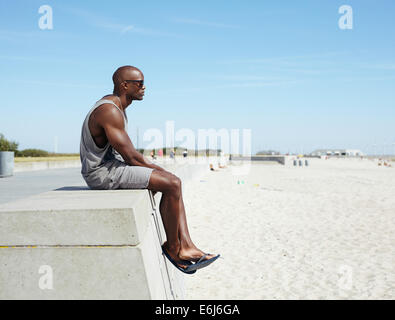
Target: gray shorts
x,y
116,174
130,177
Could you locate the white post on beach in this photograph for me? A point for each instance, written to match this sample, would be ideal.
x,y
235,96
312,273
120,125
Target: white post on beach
x,y
137,133
55,149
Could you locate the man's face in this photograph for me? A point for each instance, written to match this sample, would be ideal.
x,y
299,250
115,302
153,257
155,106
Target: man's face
x,y
135,87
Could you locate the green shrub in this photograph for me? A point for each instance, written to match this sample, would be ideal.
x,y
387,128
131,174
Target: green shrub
x,y
6,145
52,154
32,153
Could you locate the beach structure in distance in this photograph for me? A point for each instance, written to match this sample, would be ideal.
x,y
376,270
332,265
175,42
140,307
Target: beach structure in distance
x,y
337,152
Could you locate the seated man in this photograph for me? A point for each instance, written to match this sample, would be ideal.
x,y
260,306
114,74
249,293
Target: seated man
x,y
110,161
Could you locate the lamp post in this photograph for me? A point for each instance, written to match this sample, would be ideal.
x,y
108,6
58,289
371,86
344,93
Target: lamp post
x,y
374,149
137,138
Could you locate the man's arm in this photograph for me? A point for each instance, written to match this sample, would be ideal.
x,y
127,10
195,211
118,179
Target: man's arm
x,y
113,124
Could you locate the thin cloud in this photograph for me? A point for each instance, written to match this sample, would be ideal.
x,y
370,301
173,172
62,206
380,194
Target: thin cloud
x,y
310,64
123,29
148,32
368,78
388,66
10,34
18,36
58,84
286,59
104,23
246,77
257,84
37,59
205,23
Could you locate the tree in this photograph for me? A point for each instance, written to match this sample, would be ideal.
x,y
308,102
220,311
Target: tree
x,y
6,145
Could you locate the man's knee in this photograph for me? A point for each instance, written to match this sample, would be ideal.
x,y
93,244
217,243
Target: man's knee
x,y
167,182
174,184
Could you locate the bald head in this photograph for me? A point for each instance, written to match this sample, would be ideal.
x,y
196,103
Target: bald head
x,y
125,73
128,84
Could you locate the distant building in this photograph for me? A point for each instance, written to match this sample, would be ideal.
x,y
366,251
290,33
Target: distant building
x,y
267,153
337,152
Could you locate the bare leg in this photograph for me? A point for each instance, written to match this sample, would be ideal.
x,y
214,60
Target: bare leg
x,y
179,244
183,232
188,250
170,217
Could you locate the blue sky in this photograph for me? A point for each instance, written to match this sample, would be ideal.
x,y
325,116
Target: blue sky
x,y
283,69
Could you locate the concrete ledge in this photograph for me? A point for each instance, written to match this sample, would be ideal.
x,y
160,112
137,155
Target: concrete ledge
x,y
102,245
76,217
45,165
99,244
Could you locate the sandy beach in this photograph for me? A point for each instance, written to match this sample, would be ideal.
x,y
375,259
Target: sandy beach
x,y
325,231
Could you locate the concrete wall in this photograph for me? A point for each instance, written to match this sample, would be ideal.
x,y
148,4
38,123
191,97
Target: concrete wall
x,y
93,244
270,158
44,165
165,162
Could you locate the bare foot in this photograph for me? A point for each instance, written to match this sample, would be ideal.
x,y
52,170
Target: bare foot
x,y
173,253
193,254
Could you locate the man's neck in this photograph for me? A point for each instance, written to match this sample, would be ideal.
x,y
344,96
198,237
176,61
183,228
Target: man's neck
x,y
125,102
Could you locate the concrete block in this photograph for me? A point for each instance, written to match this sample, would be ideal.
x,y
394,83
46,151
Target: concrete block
x,y
83,217
83,272
99,244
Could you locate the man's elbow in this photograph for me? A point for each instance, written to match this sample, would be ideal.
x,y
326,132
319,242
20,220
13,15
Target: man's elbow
x,y
132,159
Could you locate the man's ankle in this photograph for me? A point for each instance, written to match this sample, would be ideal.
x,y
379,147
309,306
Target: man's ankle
x,y
187,244
172,247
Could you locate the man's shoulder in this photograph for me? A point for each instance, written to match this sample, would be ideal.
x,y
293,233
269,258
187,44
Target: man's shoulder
x,y
108,113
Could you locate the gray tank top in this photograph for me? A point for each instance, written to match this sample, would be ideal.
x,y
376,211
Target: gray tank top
x,y
97,163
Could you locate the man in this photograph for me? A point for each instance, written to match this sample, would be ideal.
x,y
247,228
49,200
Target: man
x,y
110,161
172,154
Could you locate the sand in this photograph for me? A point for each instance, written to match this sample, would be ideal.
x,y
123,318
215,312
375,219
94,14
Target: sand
x,y
326,231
